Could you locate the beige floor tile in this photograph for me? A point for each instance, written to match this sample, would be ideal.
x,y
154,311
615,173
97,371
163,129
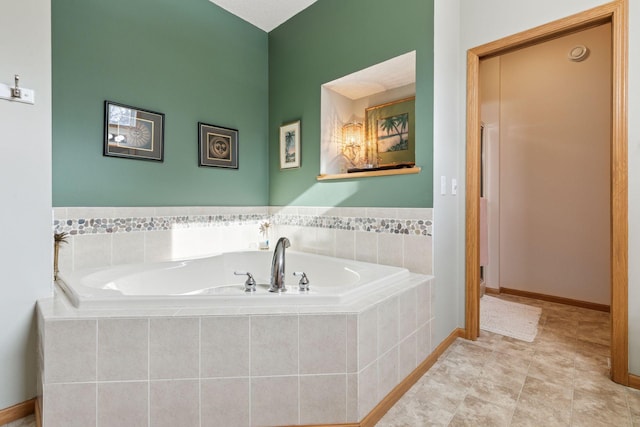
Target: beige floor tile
x,y
488,339
503,372
477,412
562,346
580,419
28,421
552,395
594,331
472,350
560,379
519,349
416,414
559,359
458,365
500,393
551,374
511,361
443,391
595,363
588,348
548,333
532,413
596,382
604,407
633,399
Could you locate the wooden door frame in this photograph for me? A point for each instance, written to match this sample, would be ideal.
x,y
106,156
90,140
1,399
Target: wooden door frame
x,y
615,13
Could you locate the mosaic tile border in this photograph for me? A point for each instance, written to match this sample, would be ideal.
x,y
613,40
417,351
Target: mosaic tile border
x,y
153,223
376,225
82,226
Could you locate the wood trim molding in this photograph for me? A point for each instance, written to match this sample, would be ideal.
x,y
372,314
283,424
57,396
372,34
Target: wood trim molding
x,y
472,227
491,291
387,172
559,300
38,413
615,12
634,381
619,199
18,411
394,395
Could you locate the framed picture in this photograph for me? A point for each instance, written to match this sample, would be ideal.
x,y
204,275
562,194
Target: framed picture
x,y
290,145
132,132
218,146
391,129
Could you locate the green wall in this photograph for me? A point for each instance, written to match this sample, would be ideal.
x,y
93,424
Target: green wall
x,y
188,59
330,39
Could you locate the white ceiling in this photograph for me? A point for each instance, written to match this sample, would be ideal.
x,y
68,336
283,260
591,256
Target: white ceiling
x,y
264,14
390,74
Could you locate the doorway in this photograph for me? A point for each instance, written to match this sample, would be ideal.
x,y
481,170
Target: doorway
x,y
614,13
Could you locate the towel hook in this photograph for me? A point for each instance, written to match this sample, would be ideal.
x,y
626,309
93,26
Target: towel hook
x,y
15,91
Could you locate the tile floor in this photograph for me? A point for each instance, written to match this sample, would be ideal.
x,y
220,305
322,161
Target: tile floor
x,y
29,421
560,379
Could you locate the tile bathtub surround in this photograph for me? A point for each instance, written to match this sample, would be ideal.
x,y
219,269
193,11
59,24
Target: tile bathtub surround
x,y
183,369
100,237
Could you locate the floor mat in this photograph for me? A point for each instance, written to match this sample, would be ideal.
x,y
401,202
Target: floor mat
x,y
514,320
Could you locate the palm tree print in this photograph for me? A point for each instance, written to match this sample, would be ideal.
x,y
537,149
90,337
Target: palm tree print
x,y
394,126
290,146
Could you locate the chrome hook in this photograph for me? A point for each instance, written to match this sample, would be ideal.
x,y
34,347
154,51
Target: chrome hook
x,y
15,91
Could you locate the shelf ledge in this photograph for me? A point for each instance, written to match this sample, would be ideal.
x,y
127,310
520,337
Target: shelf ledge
x,y
403,171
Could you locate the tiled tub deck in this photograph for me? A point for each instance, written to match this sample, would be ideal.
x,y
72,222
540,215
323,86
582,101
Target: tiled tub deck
x,y
242,366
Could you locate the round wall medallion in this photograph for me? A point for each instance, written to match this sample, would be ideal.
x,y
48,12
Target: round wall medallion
x,y
578,53
219,147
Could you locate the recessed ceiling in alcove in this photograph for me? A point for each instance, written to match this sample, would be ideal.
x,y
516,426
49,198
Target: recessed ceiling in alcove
x,y
387,75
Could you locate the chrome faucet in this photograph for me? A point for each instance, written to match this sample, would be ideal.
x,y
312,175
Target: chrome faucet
x,y
277,266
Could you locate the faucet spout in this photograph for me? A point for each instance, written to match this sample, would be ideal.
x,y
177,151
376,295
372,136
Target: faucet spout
x,y
277,266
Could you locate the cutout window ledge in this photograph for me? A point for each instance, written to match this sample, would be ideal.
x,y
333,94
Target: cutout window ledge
x,y
388,172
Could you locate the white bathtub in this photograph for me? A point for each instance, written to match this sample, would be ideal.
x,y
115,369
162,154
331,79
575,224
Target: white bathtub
x,y
211,282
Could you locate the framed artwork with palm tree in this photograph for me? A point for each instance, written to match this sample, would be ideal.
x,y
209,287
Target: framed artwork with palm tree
x,y
390,128
290,145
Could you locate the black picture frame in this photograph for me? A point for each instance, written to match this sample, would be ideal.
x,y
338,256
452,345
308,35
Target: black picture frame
x,y
217,146
132,132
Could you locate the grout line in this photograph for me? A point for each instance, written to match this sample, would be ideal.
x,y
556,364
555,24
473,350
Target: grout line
x,y
250,373
148,372
96,377
346,366
200,371
299,355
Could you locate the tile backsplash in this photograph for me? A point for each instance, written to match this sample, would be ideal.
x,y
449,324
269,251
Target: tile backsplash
x,y
105,236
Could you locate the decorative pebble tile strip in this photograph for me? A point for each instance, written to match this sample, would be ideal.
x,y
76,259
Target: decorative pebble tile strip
x,y
376,225
126,225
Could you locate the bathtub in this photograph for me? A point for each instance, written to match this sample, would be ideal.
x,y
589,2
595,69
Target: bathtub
x,y
211,281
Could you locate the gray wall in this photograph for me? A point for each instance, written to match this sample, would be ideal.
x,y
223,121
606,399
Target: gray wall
x,y
25,191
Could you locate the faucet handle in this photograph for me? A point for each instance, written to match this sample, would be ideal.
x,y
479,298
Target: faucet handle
x,y
250,283
304,280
